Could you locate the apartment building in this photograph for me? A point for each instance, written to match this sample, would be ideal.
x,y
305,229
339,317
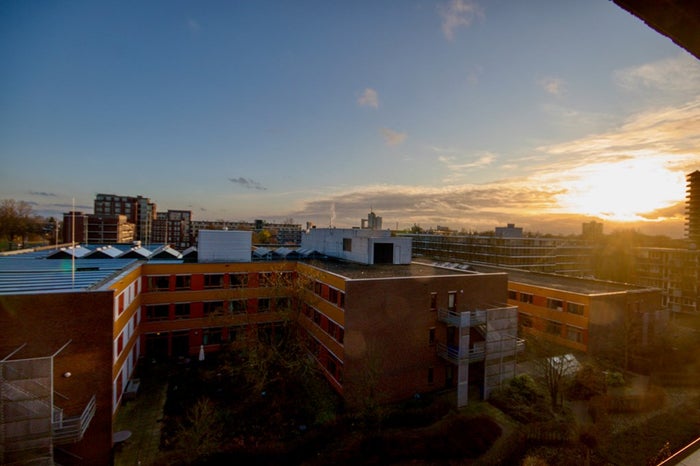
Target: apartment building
x,y
585,315
676,271
138,210
425,328
75,226
173,227
284,233
568,256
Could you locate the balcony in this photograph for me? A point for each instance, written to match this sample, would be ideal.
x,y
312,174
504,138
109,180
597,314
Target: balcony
x,y
461,319
72,429
458,355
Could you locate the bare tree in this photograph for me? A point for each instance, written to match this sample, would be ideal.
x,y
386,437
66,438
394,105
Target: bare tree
x,y
200,434
16,219
553,366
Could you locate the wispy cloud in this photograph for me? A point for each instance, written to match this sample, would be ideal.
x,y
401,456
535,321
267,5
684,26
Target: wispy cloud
x,y
247,183
43,194
552,85
391,137
677,74
458,13
460,167
369,98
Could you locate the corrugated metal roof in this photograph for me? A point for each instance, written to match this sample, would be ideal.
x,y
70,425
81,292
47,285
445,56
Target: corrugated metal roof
x,y
21,275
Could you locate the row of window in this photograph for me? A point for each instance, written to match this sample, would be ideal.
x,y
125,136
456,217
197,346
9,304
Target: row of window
x,y
553,328
218,280
549,303
324,323
156,312
328,293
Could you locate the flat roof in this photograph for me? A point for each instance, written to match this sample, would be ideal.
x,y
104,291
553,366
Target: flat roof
x,y
356,271
32,274
587,286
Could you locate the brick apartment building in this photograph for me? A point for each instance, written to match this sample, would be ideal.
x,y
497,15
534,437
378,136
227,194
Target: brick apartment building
x,y
427,327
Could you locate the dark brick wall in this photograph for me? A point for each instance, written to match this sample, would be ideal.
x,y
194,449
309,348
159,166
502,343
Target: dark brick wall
x,y
46,322
387,325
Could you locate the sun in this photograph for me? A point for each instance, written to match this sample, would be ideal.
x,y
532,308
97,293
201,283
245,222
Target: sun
x,y
623,190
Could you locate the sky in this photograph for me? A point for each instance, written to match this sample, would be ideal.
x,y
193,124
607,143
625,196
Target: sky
x,y
469,114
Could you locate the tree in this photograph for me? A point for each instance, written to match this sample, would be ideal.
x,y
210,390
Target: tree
x,y
200,434
553,366
16,219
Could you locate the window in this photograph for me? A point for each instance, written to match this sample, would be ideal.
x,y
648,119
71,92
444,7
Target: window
x,y
211,336
333,295
526,320
266,279
158,312
553,328
213,281
238,306
317,317
431,336
347,244
525,298
452,300
182,310
332,329
263,304
238,280
574,308
161,283
212,308
182,282
574,334
283,304
342,300
556,304
512,295
433,301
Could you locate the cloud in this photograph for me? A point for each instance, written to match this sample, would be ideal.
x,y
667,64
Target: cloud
x,y
669,132
457,14
391,137
459,167
369,98
679,74
552,85
247,183
42,193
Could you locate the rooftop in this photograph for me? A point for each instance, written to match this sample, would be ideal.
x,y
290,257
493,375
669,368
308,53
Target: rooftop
x,y
355,271
586,286
35,274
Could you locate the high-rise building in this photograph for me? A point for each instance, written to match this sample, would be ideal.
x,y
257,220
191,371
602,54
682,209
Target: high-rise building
x,y
692,208
75,227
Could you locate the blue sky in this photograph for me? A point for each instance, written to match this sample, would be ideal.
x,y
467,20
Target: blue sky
x,y
467,114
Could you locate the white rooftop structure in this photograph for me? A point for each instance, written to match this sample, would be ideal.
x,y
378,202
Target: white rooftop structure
x,y
363,246
224,246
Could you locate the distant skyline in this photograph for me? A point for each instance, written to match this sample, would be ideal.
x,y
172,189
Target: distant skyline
x,y
459,113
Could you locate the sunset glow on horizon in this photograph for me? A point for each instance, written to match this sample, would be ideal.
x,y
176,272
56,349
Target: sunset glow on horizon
x,y
468,114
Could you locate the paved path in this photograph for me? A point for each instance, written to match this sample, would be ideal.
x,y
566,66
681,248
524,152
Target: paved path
x,y
142,417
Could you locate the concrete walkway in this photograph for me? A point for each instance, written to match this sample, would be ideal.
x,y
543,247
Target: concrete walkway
x,y
142,417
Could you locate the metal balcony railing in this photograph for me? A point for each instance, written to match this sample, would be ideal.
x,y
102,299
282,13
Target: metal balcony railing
x,y
461,319
457,355
72,429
